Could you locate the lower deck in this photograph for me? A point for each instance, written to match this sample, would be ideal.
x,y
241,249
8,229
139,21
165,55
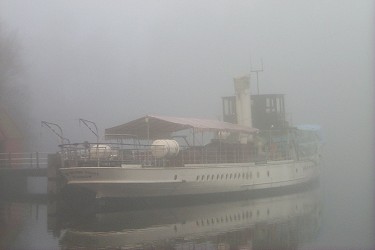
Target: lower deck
x,y
138,181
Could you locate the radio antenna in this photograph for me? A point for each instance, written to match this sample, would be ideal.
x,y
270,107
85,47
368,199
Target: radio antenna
x,y
257,71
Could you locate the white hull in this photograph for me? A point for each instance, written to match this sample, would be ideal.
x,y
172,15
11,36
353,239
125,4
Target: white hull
x,y
193,179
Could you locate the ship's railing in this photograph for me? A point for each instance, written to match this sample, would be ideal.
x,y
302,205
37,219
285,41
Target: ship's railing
x,y
116,154
24,160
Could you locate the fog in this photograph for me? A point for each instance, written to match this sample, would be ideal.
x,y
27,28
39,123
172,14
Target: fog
x,y
113,61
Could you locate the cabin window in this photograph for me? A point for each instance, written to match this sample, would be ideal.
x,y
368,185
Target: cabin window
x,y
268,173
175,177
197,177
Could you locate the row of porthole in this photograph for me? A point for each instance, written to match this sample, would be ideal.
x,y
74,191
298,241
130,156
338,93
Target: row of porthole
x,y
221,177
245,215
228,176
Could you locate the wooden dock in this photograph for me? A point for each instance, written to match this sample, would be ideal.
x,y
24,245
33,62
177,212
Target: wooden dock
x,y
16,168
25,172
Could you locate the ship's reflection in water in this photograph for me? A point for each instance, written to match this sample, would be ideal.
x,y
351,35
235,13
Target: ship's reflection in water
x,y
286,221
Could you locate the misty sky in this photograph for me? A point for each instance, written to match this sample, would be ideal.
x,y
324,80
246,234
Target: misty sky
x,y
112,61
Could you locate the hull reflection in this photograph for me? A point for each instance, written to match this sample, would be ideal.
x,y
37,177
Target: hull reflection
x,y
277,222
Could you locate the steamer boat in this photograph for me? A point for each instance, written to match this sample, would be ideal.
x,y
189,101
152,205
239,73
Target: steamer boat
x,y
159,156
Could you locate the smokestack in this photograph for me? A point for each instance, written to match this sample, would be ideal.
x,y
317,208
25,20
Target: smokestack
x,y
243,104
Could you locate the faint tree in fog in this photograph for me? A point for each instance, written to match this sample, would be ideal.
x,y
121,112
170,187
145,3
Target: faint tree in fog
x,y
10,65
14,96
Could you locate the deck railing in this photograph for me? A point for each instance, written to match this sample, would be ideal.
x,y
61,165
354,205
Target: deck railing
x,y
24,160
115,154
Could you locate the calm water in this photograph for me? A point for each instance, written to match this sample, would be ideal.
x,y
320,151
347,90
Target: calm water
x,y
331,215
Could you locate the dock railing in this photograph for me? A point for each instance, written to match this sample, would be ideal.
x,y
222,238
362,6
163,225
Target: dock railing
x,y
24,160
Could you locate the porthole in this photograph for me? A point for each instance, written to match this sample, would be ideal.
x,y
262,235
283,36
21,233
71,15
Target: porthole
x,y
226,176
197,177
268,173
234,176
175,177
202,177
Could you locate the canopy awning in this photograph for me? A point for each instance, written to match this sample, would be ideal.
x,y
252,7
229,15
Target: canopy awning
x,y
159,127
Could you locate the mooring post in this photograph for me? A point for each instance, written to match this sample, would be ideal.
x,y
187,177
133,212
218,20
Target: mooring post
x,y
9,159
55,181
37,159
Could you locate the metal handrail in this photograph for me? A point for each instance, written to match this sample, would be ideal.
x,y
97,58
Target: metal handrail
x,y
115,154
24,160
